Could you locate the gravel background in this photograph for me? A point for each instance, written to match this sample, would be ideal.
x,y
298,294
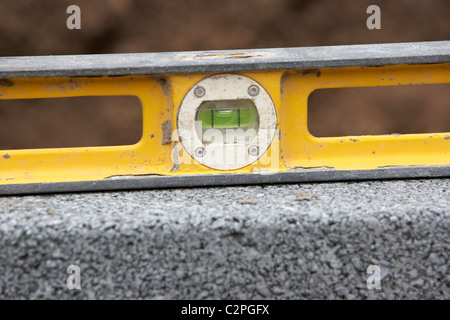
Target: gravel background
x,y
277,242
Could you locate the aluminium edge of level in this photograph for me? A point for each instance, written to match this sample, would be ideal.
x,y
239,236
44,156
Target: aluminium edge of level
x,y
225,60
213,180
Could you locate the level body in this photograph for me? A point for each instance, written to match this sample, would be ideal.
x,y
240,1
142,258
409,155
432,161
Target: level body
x,y
264,89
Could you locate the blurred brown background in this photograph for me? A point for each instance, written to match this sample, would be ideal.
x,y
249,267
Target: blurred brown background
x,y
120,26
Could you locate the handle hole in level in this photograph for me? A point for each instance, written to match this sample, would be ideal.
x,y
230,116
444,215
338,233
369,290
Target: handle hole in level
x,y
379,110
70,122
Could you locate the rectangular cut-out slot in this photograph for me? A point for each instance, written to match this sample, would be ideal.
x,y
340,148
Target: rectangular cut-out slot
x,y
70,122
379,110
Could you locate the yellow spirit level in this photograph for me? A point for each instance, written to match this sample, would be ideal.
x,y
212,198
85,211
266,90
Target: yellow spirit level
x,y
224,117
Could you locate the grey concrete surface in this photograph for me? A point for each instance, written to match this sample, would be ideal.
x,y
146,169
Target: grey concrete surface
x,y
298,241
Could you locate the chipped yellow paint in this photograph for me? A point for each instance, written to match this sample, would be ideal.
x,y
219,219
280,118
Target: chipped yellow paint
x,y
293,147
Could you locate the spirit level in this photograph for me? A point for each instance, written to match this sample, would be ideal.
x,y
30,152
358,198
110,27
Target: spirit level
x,y
225,117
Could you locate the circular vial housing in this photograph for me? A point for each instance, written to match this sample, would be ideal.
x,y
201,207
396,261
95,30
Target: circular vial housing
x,y
226,121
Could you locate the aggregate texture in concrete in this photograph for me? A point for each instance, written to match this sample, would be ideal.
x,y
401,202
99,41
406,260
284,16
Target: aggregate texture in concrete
x,y
296,241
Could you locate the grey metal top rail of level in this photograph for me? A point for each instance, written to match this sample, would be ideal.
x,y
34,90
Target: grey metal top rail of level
x,y
225,61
